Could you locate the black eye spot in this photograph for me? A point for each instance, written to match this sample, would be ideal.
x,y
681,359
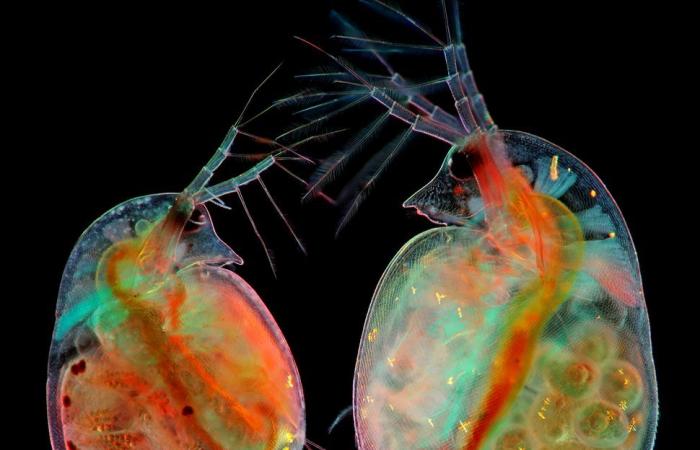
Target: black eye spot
x,y
196,222
460,168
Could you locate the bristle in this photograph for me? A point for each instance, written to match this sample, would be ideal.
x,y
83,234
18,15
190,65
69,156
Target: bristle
x,y
252,95
361,185
342,415
268,254
309,125
393,12
279,212
333,165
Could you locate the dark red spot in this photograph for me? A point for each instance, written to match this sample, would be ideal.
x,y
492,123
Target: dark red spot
x,y
71,445
66,401
458,190
187,411
78,367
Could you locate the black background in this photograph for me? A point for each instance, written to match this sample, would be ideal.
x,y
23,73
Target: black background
x,y
126,100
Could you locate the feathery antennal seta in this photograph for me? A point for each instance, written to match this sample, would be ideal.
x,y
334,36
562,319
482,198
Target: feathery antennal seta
x,y
403,16
367,177
329,168
223,151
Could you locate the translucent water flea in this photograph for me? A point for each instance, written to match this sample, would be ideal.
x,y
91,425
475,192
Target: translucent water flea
x,y
521,322
157,344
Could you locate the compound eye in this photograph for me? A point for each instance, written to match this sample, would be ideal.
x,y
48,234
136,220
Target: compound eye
x,y
459,166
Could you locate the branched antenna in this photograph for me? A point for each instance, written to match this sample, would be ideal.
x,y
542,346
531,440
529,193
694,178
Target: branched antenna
x,y
201,191
401,99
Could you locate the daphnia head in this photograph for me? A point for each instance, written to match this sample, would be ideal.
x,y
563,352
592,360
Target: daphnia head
x,y
184,236
85,286
452,197
159,240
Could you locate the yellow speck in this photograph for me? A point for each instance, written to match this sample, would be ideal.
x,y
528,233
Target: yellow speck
x,y
612,234
290,437
413,290
451,381
439,297
430,421
553,168
632,427
464,426
391,407
372,336
290,382
610,414
593,193
623,405
459,311
391,361
543,409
